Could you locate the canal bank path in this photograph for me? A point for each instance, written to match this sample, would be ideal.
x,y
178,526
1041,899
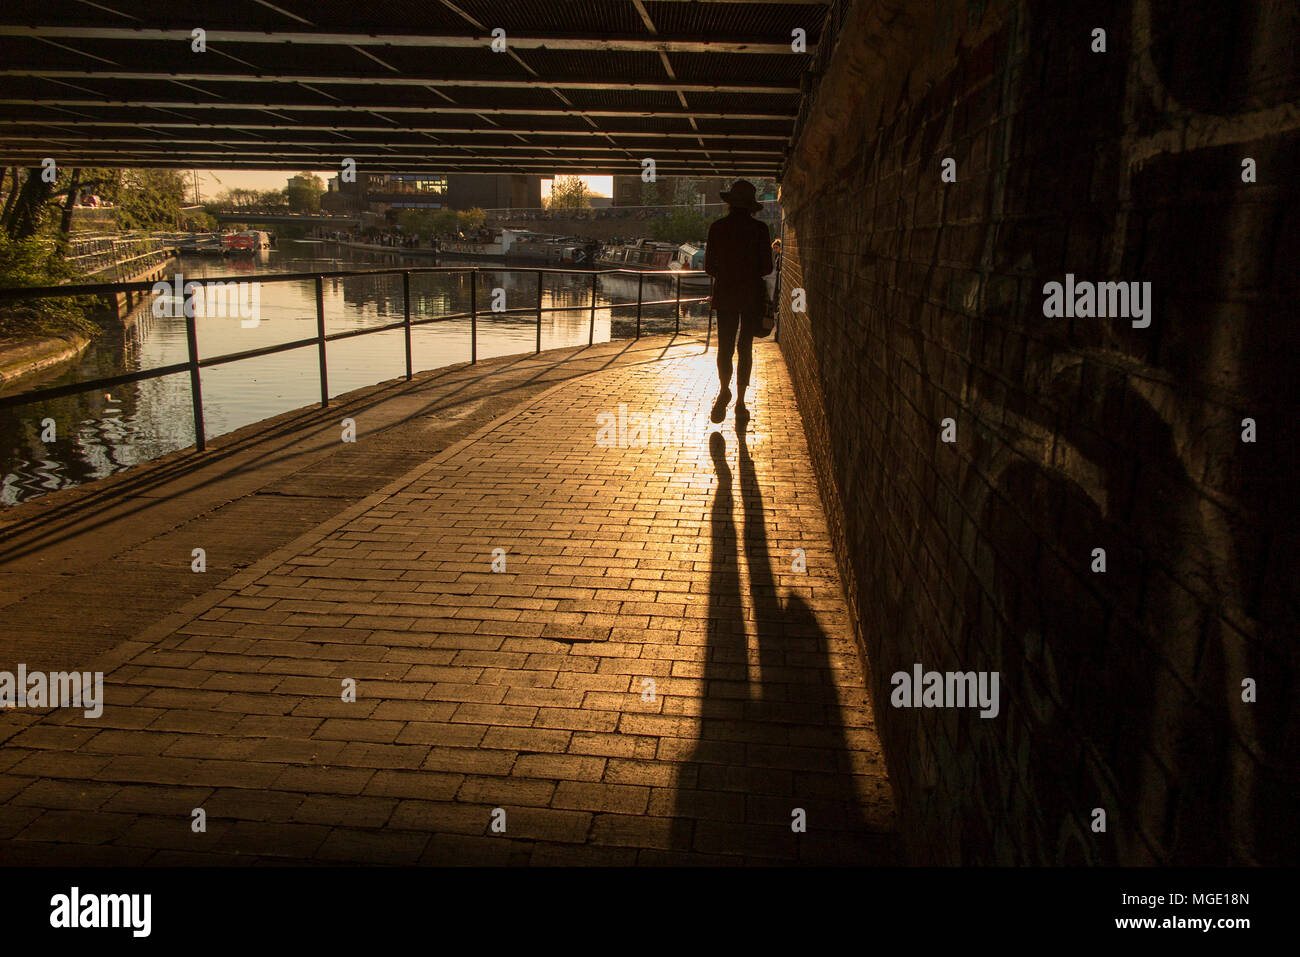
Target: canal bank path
x,y
540,611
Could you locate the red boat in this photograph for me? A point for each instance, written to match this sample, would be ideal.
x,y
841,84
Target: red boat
x,y
245,244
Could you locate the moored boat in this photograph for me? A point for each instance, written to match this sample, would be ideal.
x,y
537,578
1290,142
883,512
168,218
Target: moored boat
x,y
690,257
487,244
644,254
248,243
553,251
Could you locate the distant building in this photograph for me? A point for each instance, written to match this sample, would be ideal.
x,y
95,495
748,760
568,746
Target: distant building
x,y
379,193
629,190
511,191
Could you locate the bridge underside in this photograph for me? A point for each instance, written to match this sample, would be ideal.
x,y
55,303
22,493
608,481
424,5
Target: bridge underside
x,y
409,85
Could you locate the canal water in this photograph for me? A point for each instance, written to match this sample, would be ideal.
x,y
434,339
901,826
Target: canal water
x,y
98,433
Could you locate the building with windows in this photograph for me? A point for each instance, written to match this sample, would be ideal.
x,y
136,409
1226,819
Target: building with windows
x,y
379,193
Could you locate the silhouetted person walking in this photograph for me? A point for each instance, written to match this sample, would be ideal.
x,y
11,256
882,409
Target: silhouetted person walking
x,y
737,256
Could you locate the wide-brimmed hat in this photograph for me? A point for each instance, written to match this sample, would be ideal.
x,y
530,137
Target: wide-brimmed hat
x,y
741,196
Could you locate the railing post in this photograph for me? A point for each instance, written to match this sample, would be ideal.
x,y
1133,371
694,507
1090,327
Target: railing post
x,y
320,342
196,388
406,304
473,316
591,335
540,280
640,284
677,322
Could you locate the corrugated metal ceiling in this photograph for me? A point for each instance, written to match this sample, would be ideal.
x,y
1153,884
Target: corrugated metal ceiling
x,y
118,82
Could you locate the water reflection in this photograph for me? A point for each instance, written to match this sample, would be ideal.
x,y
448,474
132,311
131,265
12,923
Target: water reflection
x,y
97,434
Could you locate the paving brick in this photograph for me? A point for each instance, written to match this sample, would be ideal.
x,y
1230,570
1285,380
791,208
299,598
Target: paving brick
x,y
515,715
427,785
539,823
442,733
295,751
129,742
506,791
635,830
612,745
53,737
325,780
14,819
592,796
351,811
577,719
278,839
90,827
526,739
369,729
70,795
559,767
363,755
470,760
442,817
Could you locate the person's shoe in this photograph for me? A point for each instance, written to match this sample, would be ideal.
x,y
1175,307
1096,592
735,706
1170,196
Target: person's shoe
x,y
742,414
720,407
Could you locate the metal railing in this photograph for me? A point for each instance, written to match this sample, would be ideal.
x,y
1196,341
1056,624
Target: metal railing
x,y
713,208
235,212
194,363
100,254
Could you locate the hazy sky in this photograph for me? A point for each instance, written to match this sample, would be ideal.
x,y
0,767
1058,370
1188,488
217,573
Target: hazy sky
x,y
212,182
600,185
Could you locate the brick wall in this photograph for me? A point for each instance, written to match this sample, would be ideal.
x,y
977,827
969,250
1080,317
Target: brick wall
x,y
1119,690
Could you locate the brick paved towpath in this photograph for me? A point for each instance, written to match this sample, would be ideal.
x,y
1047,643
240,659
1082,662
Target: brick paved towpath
x,y
641,674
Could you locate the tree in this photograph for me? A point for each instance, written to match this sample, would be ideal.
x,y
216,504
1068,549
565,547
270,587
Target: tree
x,y
34,262
683,226
150,199
569,192
427,223
414,222
419,222
273,197
304,193
200,221
26,214
670,191
446,222
27,211
472,218
234,198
